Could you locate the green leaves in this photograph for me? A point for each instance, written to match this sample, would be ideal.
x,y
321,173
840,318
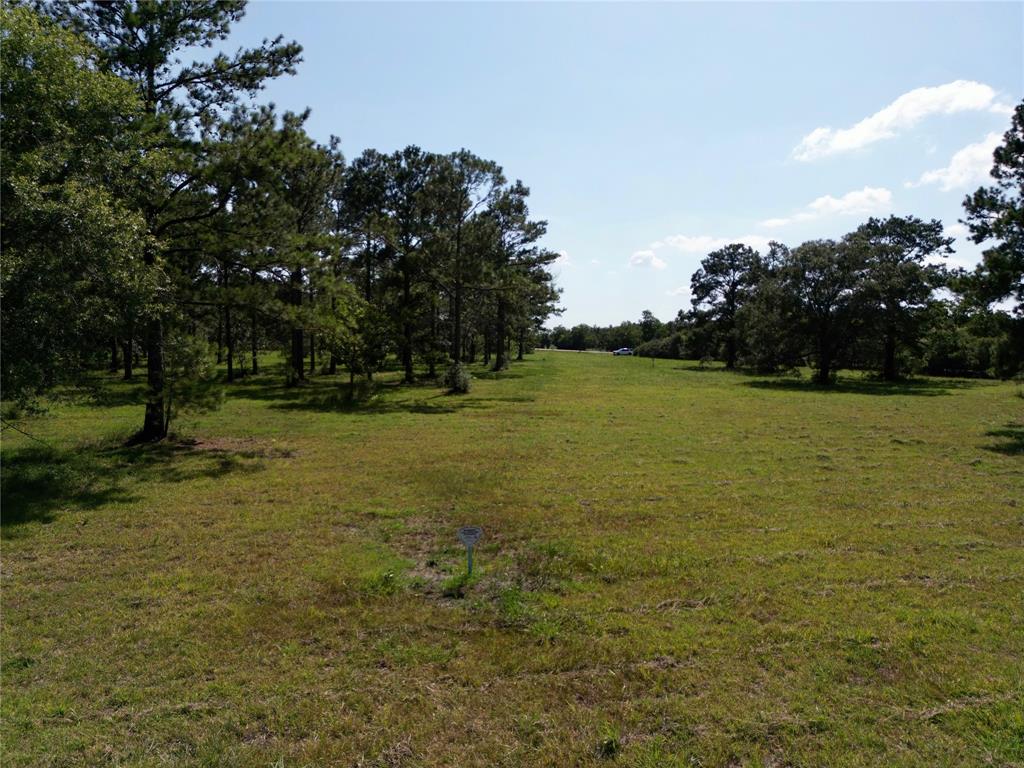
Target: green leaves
x,y
995,216
71,237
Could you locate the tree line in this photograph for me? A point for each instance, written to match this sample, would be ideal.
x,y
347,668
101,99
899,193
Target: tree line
x,y
153,215
879,298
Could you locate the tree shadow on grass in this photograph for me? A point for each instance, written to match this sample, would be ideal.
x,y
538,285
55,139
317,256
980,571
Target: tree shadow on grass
x,y
709,368
865,386
101,390
342,402
1012,443
39,482
489,375
362,400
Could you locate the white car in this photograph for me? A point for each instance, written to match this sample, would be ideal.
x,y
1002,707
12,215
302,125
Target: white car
x,y
623,351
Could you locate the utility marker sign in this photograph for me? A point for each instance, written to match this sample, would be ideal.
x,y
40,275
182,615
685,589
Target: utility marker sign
x,y
469,535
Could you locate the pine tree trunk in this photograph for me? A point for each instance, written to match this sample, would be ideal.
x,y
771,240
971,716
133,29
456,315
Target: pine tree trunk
x,y
255,346
312,353
500,359
115,355
457,324
230,343
254,341
297,370
154,426
332,360
432,364
220,335
128,352
409,375
522,344
127,359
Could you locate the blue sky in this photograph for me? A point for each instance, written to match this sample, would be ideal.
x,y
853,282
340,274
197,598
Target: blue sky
x,y
650,134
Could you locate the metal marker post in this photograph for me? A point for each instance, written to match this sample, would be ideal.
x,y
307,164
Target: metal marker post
x,y
469,535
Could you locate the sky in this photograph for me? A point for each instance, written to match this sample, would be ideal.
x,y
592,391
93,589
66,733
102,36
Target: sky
x,y
652,133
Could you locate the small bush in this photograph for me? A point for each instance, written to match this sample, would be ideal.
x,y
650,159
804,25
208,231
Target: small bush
x,y
457,379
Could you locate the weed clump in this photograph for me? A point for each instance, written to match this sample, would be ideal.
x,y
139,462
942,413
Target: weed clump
x,y
610,743
456,586
382,584
457,379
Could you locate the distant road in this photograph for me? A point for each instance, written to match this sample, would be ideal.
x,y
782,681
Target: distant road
x,y
588,351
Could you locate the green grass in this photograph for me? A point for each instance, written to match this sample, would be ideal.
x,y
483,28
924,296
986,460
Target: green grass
x,y
680,567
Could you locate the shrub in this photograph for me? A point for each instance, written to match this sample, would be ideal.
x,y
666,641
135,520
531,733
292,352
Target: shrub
x,y
457,379
666,347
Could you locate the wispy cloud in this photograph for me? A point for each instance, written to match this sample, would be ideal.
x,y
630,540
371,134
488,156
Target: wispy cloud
x,y
903,113
858,202
563,260
968,166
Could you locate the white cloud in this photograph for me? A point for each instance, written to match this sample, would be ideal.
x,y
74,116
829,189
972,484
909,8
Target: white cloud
x,y
646,258
706,243
905,112
682,290
865,200
858,202
968,166
956,230
691,244
595,261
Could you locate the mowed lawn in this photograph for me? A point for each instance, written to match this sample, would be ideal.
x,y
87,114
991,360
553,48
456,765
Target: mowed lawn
x,y
679,567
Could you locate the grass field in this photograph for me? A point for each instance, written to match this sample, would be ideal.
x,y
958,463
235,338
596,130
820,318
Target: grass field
x,y
681,567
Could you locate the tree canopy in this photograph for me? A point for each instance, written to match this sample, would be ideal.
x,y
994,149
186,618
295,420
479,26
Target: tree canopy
x,y
171,217
995,217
